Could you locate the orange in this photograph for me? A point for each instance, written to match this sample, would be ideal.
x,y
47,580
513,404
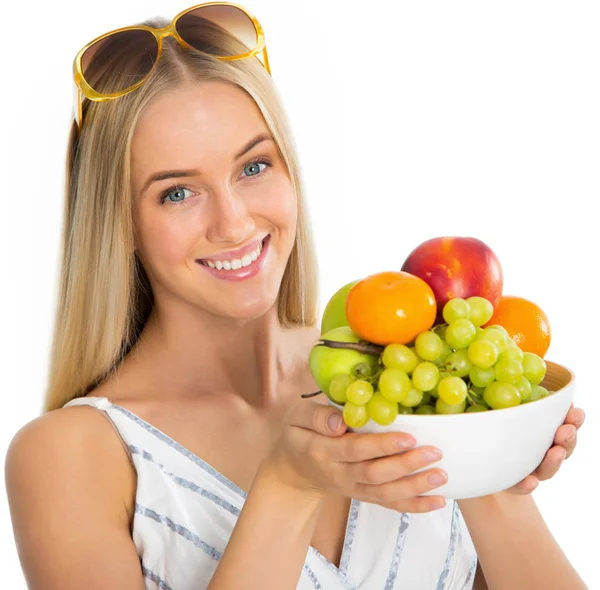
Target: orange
x,y
390,307
525,323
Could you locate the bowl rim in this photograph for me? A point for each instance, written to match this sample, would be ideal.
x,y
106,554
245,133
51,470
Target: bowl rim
x,y
564,388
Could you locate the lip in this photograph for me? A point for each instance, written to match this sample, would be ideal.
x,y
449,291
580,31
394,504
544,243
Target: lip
x,y
245,272
238,253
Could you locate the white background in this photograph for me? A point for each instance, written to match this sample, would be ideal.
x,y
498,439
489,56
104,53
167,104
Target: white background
x,y
412,120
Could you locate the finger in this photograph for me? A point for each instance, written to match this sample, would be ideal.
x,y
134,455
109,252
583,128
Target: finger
x,y
566,437
419,504
403,488
320,418
580,418
384,470
354,447
525,486
572,415
551,463
575,416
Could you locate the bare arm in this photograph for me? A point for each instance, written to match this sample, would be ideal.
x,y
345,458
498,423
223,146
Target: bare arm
x,y
270,541
65,475
271,538
515,547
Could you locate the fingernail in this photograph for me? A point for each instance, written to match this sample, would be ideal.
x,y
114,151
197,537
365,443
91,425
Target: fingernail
x,y
403,443
437,504
432,455
572,434
436,478
334,422
581,419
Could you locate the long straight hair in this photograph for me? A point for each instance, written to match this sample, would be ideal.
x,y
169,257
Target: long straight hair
x,y
104,295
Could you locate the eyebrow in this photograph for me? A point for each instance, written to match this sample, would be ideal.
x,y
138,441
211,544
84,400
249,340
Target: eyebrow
x,y
194,172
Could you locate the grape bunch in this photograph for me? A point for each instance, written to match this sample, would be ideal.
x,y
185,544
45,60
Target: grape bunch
x,y
457,366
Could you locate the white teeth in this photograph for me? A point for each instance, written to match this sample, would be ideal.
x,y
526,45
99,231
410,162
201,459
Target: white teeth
x,y
236,264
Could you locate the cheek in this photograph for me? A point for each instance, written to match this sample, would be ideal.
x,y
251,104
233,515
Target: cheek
x,y
280,206
163,239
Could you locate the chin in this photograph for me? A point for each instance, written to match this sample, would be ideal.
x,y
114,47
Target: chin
x,y
246,309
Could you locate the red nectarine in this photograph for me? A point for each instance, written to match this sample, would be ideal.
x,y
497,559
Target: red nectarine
x,y
457,267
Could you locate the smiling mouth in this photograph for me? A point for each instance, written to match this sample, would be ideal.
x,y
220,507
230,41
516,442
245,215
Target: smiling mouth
x,y
247,259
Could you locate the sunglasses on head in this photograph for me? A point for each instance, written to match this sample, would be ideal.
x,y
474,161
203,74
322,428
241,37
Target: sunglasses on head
x,y
120,61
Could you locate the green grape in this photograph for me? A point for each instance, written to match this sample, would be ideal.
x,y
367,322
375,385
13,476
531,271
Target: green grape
x,y
495,336
413,349
508,371
434,392
458,363
381,410
440,330
477,408
456,309
361,370
394,384
482,310
501,329
443,408
359,392
399,356
425,409
425,376
534,368
405,410
452,390
476,397
440,360
478,390
512,353
482,377
537,392
338,386
428,345
524,388
500,395
483,353
426,398
460,334
413,398
355,416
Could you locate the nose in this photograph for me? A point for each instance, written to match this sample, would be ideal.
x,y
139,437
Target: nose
x,y
230,221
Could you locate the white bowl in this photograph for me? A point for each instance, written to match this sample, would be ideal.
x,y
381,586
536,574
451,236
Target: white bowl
x,y
488,452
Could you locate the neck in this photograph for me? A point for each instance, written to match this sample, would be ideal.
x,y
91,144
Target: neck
x,y
183,350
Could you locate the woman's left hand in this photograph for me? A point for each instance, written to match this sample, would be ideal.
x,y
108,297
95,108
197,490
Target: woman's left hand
x,y
564,445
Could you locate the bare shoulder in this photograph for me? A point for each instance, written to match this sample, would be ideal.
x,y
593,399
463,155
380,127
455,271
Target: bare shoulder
x,y
68,476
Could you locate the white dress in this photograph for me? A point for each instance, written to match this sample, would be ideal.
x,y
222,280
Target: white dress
x,y
186,510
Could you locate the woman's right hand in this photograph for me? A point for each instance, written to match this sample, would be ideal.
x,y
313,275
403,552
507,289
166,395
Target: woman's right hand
x,y
316,455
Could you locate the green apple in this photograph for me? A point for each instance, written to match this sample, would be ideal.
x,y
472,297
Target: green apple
x,y
334,315
325,362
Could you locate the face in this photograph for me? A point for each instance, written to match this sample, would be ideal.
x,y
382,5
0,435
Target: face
x,y
214,207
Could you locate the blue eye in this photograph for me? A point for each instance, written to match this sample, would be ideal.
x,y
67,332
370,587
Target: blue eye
x,y
255,166
177,192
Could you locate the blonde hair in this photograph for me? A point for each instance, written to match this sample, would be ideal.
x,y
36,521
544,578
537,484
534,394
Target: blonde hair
x,y
104,296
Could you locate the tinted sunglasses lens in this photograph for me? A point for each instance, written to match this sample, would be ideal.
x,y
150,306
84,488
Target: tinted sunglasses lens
x,y
119,61
203,29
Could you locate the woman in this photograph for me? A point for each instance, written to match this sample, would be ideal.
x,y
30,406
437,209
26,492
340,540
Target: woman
x,y
176,451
